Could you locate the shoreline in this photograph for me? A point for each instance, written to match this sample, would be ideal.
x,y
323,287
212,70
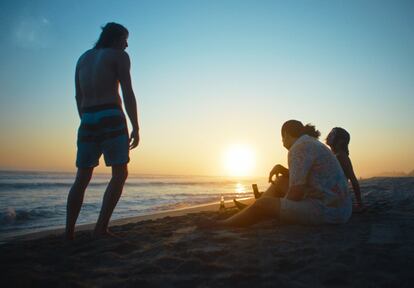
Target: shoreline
x,y
132,174
206,207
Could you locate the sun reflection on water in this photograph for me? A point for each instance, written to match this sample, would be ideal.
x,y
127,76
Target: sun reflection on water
x,y
240,188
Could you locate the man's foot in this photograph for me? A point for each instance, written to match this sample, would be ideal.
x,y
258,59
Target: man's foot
x,y
239,205
69,235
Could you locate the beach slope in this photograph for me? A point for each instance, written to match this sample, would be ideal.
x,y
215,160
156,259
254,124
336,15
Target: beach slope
x,y
375,249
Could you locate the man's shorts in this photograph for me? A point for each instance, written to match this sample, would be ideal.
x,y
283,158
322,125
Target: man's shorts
x,y
306,211
103,130
313,212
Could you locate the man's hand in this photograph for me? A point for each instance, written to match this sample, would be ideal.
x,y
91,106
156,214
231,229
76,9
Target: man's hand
x,y
278,170
134,139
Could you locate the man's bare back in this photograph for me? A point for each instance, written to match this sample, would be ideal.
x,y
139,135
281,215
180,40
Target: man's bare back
x,y
97,73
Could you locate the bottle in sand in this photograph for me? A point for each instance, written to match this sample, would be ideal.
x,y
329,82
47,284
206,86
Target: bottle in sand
x,y
222,207
256,192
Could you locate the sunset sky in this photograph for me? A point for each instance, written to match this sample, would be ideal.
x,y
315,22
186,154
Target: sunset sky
x,y
211,75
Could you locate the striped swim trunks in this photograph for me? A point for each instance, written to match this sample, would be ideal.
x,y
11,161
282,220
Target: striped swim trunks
x,y
103,130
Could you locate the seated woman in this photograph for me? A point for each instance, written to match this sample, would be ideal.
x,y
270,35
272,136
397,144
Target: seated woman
x,y
338,140
316,187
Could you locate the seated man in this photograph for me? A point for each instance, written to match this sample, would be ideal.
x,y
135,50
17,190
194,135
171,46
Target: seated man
x,y
317,192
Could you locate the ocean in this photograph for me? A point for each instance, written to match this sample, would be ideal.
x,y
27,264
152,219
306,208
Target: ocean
x,y
36,201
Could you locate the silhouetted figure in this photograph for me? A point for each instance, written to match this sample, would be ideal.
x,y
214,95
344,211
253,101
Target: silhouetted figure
x,y
314,186
338,140
103,128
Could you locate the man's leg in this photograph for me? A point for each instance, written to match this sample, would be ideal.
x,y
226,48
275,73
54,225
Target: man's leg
x,y
75,199
278,189
112,194
264,208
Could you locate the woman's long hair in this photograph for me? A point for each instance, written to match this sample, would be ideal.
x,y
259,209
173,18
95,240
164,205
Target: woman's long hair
x,y
340,140
110,34
296,129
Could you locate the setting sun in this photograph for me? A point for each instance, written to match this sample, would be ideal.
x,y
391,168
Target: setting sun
x,y
239,160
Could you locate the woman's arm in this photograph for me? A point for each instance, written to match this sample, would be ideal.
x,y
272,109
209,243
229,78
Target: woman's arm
x,y
346,164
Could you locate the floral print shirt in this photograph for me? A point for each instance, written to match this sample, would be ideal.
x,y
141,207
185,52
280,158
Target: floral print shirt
x,y
311,163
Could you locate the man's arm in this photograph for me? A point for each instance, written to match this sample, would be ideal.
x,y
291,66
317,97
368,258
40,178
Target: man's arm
x,y
78,91
278,170
123,67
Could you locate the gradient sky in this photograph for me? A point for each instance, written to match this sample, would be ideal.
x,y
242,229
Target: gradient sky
x,y
210,74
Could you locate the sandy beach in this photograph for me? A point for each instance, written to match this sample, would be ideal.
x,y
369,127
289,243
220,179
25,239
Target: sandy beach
x,y
125,125
375,249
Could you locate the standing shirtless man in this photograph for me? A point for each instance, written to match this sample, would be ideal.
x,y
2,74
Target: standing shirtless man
x,y
103,128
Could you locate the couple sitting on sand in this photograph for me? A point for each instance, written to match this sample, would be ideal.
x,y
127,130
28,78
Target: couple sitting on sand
x,y
314,190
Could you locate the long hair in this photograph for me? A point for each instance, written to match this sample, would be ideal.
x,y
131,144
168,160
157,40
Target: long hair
x,y
111,33
296,129
340,140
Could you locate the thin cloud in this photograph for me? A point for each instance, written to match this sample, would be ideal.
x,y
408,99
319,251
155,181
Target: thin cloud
x,y
31,32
